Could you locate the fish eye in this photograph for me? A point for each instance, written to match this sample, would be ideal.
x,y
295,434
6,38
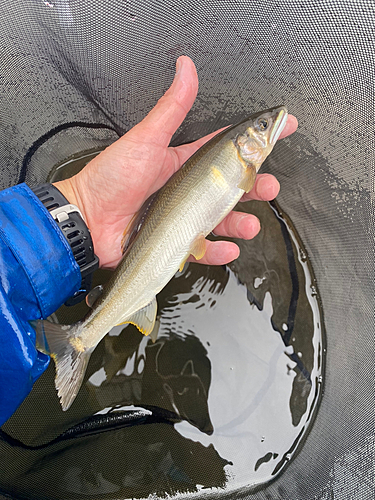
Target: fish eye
x,y
262,124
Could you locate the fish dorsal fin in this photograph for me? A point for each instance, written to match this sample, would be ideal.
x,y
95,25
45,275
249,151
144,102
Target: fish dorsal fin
x,y
198,248
144,319
93,296
248,179
134,226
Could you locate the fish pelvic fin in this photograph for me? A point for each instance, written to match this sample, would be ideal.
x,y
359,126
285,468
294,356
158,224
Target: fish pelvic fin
x,y
198,248
69,354
182,265
248,179
144,319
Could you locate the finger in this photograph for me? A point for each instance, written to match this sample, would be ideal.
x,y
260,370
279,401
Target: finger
x,y
290,126
169,112
266,188
218,253
238,225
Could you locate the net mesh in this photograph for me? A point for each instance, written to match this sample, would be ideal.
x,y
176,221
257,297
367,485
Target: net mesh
x,y
76,75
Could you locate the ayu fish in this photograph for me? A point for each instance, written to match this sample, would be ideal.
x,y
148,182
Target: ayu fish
x,y
190,205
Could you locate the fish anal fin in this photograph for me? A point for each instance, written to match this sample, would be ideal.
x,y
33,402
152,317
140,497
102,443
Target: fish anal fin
x,y
198,248
144,319
93,296
248,179
70,356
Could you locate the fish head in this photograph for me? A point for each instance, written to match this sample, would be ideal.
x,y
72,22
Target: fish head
x,y
258,134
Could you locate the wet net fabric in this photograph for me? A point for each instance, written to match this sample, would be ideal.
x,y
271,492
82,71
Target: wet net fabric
x,y
75,76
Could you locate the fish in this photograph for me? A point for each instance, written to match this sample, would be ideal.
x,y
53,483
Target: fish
x,y
173,226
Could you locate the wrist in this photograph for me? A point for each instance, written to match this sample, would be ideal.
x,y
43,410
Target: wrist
x,y
61,202
68,189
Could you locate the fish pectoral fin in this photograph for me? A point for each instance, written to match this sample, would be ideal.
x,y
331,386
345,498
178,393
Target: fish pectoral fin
x,y
248,179
70,356
144,319
198,248
93,296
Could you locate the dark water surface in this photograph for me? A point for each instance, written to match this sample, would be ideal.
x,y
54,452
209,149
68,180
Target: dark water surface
x,y
222,400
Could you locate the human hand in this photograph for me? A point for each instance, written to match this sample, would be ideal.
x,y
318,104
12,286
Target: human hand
x,y
114,185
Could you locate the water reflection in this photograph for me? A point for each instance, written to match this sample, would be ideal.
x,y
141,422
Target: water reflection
x,y
173,374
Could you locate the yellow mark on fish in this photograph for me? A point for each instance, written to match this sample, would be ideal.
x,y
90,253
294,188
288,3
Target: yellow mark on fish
x,y
142,330
218,177
77,343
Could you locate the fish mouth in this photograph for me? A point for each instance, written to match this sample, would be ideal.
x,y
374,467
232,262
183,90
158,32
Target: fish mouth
x,y
281,119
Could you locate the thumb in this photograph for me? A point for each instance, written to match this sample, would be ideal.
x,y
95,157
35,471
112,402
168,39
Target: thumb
x,y
170,111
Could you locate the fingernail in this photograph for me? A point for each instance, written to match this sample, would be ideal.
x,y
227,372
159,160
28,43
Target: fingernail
x,y
267,188
178,65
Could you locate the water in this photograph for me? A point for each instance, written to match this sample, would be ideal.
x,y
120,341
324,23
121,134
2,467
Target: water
x,y
256,380
222,401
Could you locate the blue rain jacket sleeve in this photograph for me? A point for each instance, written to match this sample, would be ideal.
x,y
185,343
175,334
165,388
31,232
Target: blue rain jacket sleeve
x,y
38,273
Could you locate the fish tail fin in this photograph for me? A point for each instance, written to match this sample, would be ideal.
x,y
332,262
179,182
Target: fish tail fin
x,y
70,357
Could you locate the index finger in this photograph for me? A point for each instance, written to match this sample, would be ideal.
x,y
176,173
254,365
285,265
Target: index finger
x,y
290,127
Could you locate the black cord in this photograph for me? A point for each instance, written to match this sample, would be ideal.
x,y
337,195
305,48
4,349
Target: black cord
x,y
44,138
